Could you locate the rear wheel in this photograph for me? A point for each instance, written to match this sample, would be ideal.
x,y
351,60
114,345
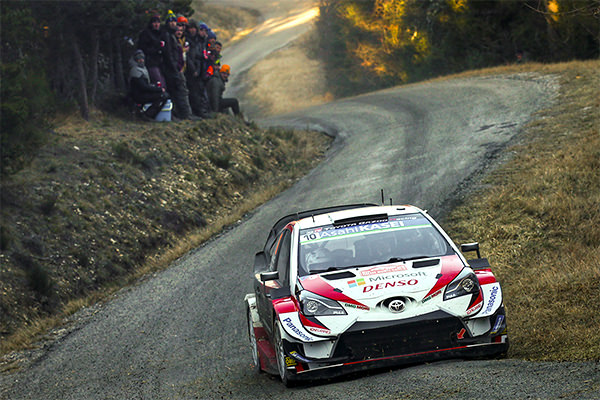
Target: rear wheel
x,y
253,344
284,373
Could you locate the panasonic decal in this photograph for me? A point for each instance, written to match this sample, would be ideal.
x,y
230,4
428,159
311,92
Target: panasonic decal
x,y
295,331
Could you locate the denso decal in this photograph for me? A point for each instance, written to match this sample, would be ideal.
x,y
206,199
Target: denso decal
x,y
396,276
385,269
386,285
356,282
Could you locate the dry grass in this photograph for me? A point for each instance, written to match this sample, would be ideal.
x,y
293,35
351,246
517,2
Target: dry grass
x,y
539,223
151,189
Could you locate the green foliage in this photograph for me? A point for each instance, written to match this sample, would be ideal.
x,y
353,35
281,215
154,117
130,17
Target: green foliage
x,y
37,277
369,44
26,97
220,159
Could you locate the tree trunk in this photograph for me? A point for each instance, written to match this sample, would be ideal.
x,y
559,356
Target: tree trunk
x,y
83,97
119,75
553,40
94,66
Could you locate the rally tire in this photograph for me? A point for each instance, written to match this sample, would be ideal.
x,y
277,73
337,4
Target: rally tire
x,y
284,373
253,344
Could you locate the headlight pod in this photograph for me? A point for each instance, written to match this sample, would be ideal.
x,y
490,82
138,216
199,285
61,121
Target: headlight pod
x,y
314,305
465,283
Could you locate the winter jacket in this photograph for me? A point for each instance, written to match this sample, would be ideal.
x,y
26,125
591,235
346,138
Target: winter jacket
x,y
172,54
152,43
139,82
215,88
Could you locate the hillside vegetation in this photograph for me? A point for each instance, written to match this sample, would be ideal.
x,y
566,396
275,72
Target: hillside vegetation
x,y
109,200
538,221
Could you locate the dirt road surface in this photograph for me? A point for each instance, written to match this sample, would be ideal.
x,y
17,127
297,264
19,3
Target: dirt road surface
x,y
181,334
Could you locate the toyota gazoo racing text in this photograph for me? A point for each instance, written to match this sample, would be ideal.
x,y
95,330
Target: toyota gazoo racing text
x,y
360,286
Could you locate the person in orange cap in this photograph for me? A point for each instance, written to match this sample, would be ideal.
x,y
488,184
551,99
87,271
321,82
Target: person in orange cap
x,y
215,89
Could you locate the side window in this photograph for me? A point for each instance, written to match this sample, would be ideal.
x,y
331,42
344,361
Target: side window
x,y
273,251
283,257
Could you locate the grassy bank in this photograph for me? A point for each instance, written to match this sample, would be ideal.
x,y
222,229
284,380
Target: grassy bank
x,y
538,221
110,200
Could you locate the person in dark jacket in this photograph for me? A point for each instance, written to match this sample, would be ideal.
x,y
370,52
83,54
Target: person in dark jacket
x,y
215,89
173,63
152,42
142,91
194,71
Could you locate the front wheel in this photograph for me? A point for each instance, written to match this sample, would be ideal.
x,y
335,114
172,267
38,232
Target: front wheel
x,y
285,375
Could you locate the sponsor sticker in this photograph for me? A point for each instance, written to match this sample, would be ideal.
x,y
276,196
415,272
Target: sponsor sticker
x,y
475,308
397,276
497,324
382,269
314,329
399,283
310,235
492,299
298,356
290,324
357,306
289,361
356,282
432,295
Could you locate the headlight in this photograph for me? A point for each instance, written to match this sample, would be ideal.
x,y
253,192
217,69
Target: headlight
x,y
313,305
465,283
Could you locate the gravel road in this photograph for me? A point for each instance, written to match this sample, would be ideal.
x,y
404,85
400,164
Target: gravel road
x,y
180,334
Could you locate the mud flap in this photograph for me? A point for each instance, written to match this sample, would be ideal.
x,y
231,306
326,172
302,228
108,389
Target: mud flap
x,y
266,351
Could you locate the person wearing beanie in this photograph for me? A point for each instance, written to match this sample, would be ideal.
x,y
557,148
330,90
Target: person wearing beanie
x,y
142,91
215,89
211,37
173,63
193,71
152,41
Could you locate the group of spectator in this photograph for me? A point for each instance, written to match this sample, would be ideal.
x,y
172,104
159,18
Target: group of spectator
x,y
180,60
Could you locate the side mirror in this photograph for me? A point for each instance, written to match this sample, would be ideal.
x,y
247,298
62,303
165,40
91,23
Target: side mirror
x,y
260,262
269,276
470,247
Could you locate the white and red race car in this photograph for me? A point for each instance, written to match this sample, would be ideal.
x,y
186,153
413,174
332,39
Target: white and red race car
x,y
361,286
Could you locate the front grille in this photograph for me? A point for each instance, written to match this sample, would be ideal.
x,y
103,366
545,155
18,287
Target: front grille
x,y
426,333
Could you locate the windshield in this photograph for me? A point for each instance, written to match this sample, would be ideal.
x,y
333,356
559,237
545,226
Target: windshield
x,y
399,238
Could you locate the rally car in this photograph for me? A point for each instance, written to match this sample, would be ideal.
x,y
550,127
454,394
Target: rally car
x,y
359,286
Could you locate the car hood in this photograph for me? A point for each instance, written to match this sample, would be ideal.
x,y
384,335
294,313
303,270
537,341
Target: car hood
x,y
418,279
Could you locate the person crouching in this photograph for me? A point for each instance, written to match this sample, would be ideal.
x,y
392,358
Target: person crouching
x,y
215,89
142,91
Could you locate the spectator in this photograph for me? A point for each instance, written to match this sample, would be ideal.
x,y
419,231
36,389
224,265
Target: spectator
x,y
152,43
212,56
211,38
215,54
173,62
203,33
142,91
194,71
215,89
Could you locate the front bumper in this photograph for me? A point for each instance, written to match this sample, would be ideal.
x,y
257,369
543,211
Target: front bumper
x,y
430,337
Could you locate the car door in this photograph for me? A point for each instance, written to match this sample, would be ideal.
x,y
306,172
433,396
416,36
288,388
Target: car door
x,y
272,289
